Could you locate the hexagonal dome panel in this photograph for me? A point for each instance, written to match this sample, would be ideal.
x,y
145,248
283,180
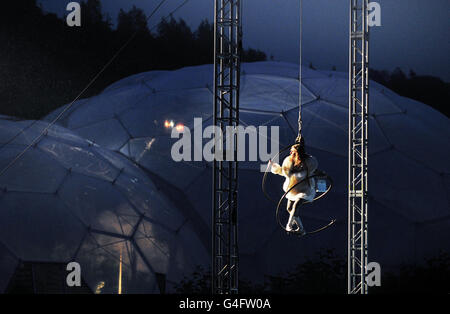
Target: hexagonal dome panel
x,y
66,199
409,152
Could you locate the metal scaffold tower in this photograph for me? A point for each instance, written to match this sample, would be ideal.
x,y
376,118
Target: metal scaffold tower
x,y
358,146
227,59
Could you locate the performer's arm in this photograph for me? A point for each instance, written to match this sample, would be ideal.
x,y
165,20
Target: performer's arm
x,y
275,168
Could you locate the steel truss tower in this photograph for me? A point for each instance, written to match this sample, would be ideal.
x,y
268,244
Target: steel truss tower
x,y
227,59
358,146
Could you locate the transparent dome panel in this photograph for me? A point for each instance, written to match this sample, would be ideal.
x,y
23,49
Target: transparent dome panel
x,y
271,93
178,108
156,243
82,160
99,205
140,78
101,259
151,203
427,148
185,78
8,264
107,105
35,172
107,133
43,230
332,89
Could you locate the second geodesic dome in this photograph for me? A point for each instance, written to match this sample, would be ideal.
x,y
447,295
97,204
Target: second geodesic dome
x,y
67,199
409,178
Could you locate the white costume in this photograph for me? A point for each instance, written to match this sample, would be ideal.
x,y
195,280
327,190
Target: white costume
x,y
305,190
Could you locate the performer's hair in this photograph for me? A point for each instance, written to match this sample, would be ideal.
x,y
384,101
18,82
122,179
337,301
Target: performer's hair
x,y
300,147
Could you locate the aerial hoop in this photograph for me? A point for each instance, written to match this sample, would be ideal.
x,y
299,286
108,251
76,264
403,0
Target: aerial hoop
x,y
320,176
314,231
263,183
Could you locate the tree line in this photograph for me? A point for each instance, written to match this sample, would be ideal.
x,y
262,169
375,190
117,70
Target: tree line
x,y
326,273
45,64
424,88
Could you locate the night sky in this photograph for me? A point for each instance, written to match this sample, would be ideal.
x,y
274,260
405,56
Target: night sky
x,y
413,35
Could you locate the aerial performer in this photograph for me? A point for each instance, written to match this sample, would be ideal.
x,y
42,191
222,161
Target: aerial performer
x,y
299,184
304,183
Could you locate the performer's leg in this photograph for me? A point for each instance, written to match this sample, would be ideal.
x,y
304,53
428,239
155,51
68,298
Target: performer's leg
x,y
291,210
289,206
294,207
296,219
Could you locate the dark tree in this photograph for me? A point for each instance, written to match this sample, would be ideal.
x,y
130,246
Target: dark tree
x,y
204,36
175,41
326,273
253,55
427,89
46,64
132,21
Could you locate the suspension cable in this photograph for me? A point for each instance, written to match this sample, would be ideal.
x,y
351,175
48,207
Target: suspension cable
x,y
300,75
50,124
170,14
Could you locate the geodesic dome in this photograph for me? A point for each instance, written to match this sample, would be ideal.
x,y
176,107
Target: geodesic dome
x,y
67,199
409,178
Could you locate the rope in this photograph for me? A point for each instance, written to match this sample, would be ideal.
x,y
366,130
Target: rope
x,y
300,76
45,130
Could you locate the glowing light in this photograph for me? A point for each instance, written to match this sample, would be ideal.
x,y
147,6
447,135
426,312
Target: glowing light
x,y
169,124
149,144
120,272
179,127
99,287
